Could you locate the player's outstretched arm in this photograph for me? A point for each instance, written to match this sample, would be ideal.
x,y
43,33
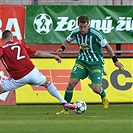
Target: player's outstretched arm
x,y
62,48
40,53
114,58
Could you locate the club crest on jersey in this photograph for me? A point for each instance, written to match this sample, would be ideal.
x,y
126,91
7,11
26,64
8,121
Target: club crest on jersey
x,y
84,46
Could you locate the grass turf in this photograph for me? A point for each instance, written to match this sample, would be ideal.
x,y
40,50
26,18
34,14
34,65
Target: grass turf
x,y
42,119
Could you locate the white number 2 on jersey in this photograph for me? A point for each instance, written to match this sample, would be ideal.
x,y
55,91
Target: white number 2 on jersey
x,y
19,57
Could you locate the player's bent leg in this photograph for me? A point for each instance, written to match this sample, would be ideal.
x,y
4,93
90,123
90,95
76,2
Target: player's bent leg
x,y
69,90
54,92
68,96
99,90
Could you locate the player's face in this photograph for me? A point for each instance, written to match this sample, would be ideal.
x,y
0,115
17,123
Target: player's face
x,y
83,28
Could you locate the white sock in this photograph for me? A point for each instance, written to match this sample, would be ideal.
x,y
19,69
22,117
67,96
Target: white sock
x,y
54,92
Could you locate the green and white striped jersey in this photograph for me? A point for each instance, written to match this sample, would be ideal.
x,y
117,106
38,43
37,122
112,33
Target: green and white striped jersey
x,y
90,45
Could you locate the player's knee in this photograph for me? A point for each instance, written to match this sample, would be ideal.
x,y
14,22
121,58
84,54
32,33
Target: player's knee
x,y
71,84
96,88
47,84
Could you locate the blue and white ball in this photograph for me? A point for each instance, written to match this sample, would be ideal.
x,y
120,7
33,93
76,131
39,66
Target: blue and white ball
x,y
81,106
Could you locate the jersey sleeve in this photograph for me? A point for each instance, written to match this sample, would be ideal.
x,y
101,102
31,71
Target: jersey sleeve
x,y
71,36
101,38
104,42
29,50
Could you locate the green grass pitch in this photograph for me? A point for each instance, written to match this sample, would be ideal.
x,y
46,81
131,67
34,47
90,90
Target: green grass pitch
x,y
42,119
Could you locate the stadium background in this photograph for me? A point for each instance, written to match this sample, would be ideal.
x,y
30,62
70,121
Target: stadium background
x,y
13,16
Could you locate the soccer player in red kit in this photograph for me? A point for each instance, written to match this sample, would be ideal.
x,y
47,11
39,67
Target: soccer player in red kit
x,y
16,59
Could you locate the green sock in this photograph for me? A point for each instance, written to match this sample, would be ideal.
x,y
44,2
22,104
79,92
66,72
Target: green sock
x,y
102,92
68,95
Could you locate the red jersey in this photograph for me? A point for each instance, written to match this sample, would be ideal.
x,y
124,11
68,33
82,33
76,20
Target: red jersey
x,y
16,59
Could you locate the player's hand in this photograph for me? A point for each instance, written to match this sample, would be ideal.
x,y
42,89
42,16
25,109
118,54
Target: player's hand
x,y
58,59
59,51
119,65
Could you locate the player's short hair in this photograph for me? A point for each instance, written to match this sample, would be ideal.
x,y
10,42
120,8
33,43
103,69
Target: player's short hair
x,y
83,19
7,34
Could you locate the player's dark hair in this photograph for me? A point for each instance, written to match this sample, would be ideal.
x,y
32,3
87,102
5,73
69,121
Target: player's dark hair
x,y
83,19
6,34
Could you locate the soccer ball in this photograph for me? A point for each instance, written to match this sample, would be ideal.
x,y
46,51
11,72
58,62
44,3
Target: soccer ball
x,y
81,106
43,24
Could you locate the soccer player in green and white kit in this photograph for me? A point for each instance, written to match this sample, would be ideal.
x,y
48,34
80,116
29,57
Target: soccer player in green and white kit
x,y
90,59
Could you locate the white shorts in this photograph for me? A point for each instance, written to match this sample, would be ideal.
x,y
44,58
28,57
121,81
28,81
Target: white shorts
x,y
35,78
